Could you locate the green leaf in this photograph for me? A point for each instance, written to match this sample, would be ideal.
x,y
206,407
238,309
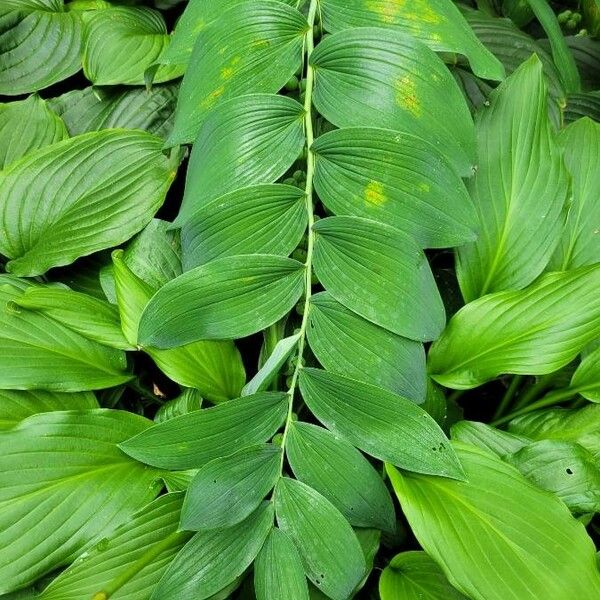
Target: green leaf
x,y
586,379
394,178
188,401
332,557
519,189
582,105
378,272
227,490
230,297
253,47
489,438
16,405
192,440
374,77
39,45
491,534
335,469
380,423
437,23
534,331
213,559
147,543
64,483
26,126
278,570
414,576
120,43
261,219
68,209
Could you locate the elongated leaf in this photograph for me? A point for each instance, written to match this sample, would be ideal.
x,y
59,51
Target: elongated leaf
x,y
365,351
335,469
582,105
332,557
586,379
490,534
378,272
229,297
26,126
227,490
213,559
148,541
395,178
519,189
253,47
380,423
79,196
192,440
261,219
489,438
39,45
278,570
414,576
188,401
65,483
374,77
533,331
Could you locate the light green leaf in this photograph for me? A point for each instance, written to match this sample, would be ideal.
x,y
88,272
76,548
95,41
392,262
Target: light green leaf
x,y
378,272
332,557
339,472
188,401
261,219
64,483
489,438
278,570
497,536
192,440
213,559
381,78
380,423
534,331
586,379
519,189
25,126
229,297
148,542
254,47
39,45
54,210
227,490
414,576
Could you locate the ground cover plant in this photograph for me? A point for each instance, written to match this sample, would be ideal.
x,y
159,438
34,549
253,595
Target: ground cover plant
x,y
299,299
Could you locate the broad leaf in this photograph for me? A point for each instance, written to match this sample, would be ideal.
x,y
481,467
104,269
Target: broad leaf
x,y
586,379
582,105
380,423
188,401
533,331
192,440
489,438
491,533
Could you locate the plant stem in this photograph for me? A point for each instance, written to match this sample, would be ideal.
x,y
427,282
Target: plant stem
x,y
535,390
508,396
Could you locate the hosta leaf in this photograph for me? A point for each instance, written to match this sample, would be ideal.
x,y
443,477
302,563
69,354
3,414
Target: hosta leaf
x,y
226,490
39,45
533,331
489,438
332,557
192,440
229,297
378,272
414,576
381,78
213,559
149,541
491,534
437,23
121,43
79,196
582,105
64,483
365,351
278,570
335,469
188,401
395,178
254,47
25,126
519,189
380,423
261,219
245,141
586,379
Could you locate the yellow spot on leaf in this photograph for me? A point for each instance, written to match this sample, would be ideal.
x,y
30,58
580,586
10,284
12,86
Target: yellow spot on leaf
x,y
374,193
394,11
228,71
260,44
424,187
210,100
406,95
